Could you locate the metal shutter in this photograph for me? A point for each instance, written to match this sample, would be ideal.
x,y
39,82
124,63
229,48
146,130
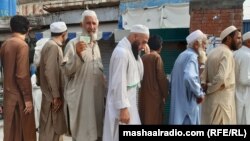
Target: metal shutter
x,y
169,55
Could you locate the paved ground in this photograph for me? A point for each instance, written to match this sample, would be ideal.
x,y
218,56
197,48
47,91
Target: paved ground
x,y
65,138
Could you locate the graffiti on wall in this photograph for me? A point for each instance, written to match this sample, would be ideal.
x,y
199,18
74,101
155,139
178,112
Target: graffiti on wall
x,y
213,42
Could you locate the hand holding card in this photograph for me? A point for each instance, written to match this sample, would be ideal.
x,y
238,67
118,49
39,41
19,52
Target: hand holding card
x,y
85,39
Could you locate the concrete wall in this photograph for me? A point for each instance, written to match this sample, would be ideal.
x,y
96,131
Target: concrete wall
x,y
108,14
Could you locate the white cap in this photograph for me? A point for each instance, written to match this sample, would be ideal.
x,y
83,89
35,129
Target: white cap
x,y
140,29
246,36
227,31
195,35
58,27
90,13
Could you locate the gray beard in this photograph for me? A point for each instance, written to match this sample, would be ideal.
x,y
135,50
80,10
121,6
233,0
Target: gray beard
x,y
93,37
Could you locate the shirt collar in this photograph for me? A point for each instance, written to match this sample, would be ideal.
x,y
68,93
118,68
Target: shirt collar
x,y
245,48
127,43
193,51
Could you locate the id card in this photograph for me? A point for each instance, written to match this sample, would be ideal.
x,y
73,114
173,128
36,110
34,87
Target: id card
x,y
85,39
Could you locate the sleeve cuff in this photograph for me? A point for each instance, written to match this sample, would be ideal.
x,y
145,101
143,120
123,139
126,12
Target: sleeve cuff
x,y
55,94
27,98
122,104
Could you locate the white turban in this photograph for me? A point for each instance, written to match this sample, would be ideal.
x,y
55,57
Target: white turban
x,y
246,36
58,27
140,29
90,13
195,35
227,31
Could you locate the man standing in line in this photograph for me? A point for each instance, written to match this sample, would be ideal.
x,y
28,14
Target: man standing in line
x,y
36,90
37,99
219,78
52,120
85,85
242,77
126,72
154,88
186,90
19,122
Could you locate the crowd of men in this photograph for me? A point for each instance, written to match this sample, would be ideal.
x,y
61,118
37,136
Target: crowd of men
x,y
210,89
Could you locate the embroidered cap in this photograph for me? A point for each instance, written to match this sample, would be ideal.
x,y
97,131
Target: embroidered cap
x,y
195,35
246,36
227,31
58,27
140,29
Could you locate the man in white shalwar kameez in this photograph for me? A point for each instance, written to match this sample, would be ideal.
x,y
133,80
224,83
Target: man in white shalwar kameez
x,y
36,90
125,74
39,46
84,89
37,99
242,77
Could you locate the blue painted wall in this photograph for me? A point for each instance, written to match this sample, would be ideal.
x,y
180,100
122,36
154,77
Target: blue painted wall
x,y
246,26
142,4
7,8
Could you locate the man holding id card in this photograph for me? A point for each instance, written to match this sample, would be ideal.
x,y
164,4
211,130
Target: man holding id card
x,y
84,91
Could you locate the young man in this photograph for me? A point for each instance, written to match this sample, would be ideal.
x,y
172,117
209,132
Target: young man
x,y
154,88
19,122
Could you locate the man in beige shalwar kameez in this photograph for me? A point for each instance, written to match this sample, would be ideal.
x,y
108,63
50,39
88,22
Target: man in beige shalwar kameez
x,y
84,89
219,78
52,119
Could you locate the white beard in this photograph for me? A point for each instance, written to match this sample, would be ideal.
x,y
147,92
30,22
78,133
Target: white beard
x,y
92,36
202,58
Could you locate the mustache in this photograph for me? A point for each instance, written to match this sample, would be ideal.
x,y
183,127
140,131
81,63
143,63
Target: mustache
x,y
93,35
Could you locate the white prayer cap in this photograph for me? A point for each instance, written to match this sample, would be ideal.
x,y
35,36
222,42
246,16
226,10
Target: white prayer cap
x,y
58,27
195,35
140,29
246,36
88,13
227,31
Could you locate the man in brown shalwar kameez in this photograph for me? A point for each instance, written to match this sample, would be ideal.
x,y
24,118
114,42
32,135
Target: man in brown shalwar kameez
x,y
154,87
19,122
52,119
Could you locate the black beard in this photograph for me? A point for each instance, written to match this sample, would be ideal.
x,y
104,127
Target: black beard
x,y
233,46
135,46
